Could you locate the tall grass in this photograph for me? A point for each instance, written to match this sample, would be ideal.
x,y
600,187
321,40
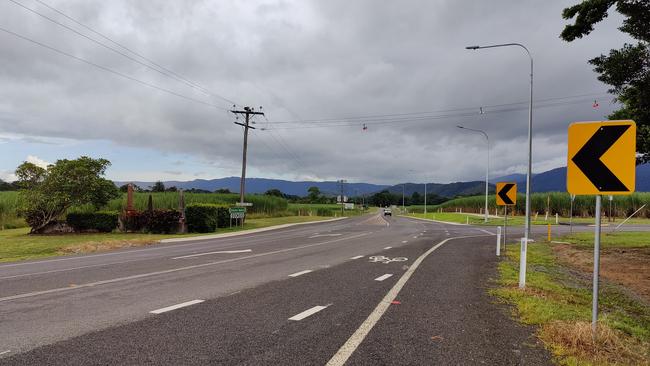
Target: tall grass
x,y
8,206
263,205
558,202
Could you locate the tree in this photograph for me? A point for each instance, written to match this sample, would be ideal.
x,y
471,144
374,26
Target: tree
x,y
223,191
171,189
48,193
6,186
416,199
313,194
125,188
627,69
158,187
274,192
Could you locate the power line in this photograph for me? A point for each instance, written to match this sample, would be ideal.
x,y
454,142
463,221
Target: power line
x,y
411,115
104,68
158,68
384,121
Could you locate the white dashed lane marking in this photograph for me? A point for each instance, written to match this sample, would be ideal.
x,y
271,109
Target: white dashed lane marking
x,y
383,277
404,241
4,352
387,248
357,257
300,273
308,312
219,252
177,306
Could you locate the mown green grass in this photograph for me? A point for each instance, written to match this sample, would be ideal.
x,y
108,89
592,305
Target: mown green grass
x,y
333,210
16,244
622,239
477,220
556,293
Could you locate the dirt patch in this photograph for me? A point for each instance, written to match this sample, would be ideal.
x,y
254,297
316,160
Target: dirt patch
x,y
609,347
91,247
626,266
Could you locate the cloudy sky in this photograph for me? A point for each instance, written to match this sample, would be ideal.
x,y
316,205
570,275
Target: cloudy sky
x,y
327,67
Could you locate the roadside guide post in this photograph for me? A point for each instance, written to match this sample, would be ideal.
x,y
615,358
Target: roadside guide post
x,y
498,241
601,160
506,196
573,197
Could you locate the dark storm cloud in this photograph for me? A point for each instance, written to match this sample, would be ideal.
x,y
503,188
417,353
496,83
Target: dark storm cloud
x,y
306,60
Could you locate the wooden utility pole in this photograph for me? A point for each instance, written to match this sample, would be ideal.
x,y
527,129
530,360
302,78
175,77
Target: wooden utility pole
x,y
247,112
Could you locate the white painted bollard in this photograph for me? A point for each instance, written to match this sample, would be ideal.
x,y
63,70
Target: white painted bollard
x,y
557,219
467,220
498,241
522,263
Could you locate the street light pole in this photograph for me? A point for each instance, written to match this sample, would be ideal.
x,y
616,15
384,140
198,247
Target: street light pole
x,y
487,170
522,282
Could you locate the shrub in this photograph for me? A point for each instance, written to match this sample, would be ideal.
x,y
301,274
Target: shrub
x,y
162,221
201,217
102,221
135,221
206,218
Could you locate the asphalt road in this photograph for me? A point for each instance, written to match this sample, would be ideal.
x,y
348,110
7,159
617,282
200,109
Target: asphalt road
x,y
305,295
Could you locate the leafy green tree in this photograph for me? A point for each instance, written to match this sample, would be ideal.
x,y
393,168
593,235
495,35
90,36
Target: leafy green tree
x,y
125,188
223,191
158,187
6,186
48,193
274,192
171,189
313,194
627,69
416,199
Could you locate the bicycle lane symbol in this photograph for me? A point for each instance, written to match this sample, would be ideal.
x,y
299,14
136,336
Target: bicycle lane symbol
x,y
386,260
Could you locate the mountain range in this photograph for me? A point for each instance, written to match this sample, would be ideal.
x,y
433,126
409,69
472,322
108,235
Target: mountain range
x,y
552,180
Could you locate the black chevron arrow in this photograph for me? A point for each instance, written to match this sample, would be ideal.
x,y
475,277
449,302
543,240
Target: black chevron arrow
x,y
588,158
503,193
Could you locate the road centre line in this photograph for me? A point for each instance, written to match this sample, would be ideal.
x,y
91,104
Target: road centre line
x,y
172,270
383,277
321,235
309,312
387,248
217,252
177,306
404,241
357,257
348,348
300,273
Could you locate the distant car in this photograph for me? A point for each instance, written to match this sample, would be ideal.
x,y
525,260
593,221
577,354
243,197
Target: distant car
x,y
388,212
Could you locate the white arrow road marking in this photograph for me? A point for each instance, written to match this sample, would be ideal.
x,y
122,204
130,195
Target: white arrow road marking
x,y
357,257
308,312
383,277
321,235
219,252
300,273
177,306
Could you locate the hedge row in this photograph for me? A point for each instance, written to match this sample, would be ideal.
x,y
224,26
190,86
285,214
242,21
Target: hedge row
x,y
206,217
101,221
156,221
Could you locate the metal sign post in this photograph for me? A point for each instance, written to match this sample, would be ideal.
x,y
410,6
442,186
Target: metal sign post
x,y
506,196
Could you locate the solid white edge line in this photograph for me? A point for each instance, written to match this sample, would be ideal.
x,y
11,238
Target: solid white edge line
x,y
300,273
348,348
357,257
217,252
387,248
308,312
383,277
177,306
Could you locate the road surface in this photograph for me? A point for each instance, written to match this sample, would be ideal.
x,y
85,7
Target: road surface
x,y
361,291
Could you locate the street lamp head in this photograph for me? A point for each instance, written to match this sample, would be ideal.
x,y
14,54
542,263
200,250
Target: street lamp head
x,y
472,47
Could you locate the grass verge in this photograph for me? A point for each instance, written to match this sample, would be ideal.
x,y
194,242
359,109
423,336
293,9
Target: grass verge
x,y
557,299
17,244
474,219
